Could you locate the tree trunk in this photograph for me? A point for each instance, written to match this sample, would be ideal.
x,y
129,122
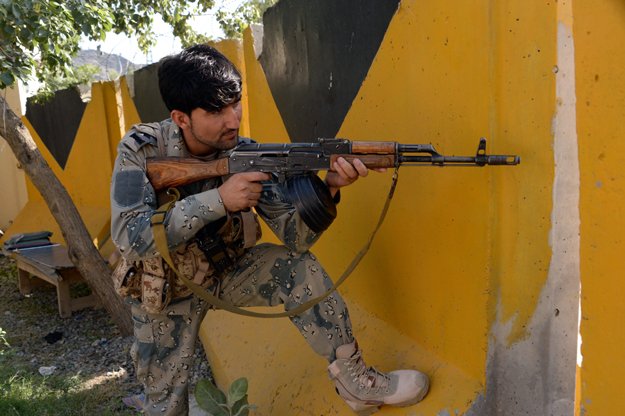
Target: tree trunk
x,y
82,251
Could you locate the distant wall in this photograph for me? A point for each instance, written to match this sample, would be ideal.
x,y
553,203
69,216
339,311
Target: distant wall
x,y
79,146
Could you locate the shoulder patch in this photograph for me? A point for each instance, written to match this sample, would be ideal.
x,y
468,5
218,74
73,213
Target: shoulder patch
x,y
135,140
142,138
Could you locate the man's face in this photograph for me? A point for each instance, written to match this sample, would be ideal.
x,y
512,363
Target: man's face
x,y
207,132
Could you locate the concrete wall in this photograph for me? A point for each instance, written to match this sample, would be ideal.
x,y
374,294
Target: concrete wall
x,y
598,32
83,164
474,277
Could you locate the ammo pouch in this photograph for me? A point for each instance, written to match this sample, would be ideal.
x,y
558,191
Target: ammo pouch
x,y
145,281
211,254
123,274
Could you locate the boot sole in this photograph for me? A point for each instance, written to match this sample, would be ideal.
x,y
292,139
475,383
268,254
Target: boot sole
x,y
417,399
362,409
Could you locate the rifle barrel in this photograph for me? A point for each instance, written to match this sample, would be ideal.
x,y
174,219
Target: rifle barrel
x,y
461,160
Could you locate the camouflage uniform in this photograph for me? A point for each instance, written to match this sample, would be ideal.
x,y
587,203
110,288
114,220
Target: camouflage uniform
x,y
167,321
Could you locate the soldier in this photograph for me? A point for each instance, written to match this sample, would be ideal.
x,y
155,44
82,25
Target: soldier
x,y
212,237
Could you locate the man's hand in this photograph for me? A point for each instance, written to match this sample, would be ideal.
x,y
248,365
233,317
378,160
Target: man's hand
x,y
344,173
242,190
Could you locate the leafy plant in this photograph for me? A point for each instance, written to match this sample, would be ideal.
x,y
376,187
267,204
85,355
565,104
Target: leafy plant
x,y
251,11
41,36
81,76
217,403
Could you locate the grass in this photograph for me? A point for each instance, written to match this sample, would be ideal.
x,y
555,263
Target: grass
x,y
25,392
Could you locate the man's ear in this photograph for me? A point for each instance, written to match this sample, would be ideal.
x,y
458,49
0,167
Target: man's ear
x,y
181,118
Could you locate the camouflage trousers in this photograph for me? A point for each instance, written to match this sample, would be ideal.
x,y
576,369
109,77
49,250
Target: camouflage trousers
x,y
265,275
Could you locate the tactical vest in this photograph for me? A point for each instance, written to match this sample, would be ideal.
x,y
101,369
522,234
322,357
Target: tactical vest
x,y
205,259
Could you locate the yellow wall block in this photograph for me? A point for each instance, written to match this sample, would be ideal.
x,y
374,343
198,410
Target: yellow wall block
x,y
417,300
600,57
426,273
287,378
522,95
86,176
266,124
128,113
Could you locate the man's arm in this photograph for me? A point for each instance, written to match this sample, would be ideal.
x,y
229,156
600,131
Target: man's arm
x,y
133,202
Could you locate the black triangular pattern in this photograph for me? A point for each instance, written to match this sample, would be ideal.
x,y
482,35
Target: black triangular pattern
x,y
147,96
316,55
56,121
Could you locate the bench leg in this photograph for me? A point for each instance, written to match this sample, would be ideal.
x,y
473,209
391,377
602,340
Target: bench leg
x,y
23,282
64,299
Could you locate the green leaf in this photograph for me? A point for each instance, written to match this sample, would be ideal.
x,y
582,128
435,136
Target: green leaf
x,y
241,407
210,398
238,390
6,79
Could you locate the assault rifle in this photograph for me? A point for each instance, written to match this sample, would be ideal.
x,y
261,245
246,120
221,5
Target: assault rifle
x,y
289,159
294,162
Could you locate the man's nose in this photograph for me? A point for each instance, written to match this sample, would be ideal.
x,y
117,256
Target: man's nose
x,y
232,117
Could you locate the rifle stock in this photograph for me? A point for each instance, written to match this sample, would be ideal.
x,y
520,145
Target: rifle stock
x,y
169,172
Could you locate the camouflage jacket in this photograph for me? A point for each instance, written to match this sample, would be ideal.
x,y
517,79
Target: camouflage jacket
x,y
133,201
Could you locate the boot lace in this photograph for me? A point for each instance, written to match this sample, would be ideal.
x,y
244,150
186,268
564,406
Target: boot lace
x,y
367,378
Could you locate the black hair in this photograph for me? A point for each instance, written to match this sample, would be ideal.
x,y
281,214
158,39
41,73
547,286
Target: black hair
x,y
198,77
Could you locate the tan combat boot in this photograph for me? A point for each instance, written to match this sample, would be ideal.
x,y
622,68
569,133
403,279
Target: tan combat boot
x,y
366,389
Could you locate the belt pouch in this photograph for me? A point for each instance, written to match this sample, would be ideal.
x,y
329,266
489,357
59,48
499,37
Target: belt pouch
x,y
153,293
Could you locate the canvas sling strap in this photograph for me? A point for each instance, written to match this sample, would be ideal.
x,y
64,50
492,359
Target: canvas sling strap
x,y
160,238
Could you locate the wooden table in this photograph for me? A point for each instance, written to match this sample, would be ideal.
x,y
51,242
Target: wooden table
x,y
51,264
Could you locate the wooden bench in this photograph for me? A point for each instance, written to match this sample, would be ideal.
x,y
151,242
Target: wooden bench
x,y
51,264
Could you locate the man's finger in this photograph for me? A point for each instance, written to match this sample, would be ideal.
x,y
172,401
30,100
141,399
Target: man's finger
x,y
255,187
255,176
360,167
347,169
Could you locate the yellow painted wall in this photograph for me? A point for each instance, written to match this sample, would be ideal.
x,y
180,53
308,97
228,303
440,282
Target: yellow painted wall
x,y
12,178
522,95
86,176
411,306
265,122
462,250
416,92
599,32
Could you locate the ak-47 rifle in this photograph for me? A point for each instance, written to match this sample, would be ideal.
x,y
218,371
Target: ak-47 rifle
x,y
293,163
